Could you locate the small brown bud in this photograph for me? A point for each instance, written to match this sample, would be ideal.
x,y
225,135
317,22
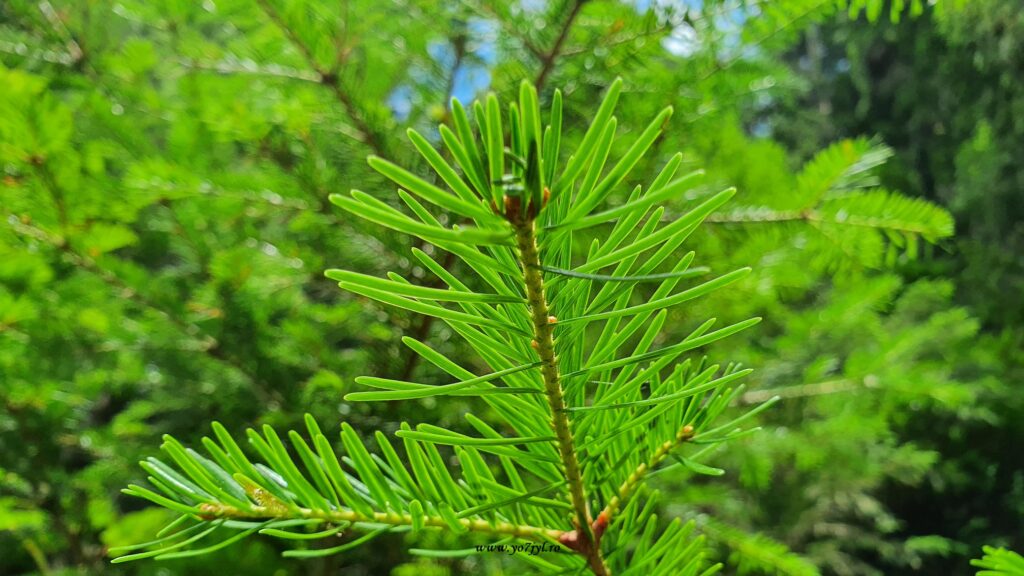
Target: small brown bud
x,y
513,207
534,345
552,320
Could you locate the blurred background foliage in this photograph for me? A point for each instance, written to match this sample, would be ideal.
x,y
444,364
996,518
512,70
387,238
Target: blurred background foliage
x,y
166,166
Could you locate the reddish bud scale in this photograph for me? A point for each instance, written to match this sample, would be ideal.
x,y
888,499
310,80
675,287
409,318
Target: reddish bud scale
x,y
600,525
571,540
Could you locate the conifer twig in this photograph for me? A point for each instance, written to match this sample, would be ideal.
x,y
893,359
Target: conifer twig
x,y
812,216
543,326
74,48
282,512
634,480
487,10
208,345
329,79
549,58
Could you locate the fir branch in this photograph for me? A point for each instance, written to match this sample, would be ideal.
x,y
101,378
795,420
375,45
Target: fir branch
x,y
547,62
757,553
390,518
74,48
503,189
329,79
230,66
728,63
629,486
807,390
543,326
760,215
488,10
900,219
205,344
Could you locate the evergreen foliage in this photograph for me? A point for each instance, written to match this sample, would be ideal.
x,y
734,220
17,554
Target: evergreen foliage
x,y
999,562
578,417
166,197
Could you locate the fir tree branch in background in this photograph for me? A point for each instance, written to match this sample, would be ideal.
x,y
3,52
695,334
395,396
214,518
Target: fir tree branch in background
x,y
50,56
208,345
74,49
756,553
619,40
880,219
549,58
331,79
837,193
806,390
231,67
488,9
723,65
